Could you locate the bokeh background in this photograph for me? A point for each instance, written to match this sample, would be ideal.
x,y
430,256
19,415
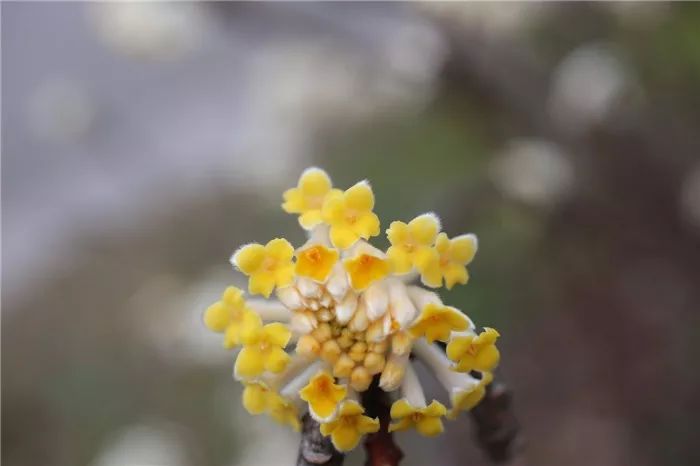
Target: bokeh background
x,y
143,142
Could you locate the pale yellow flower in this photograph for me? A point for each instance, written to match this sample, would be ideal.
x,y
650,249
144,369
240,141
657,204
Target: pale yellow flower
x,y
232,317
349,215
263,350
475,352
308,197
412,243
426,420
267,266
349,427
450,263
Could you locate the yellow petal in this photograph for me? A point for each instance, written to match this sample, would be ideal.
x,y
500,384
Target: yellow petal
x,y
455,319
442,243
351,408
249,258
365,269
262,283
249,323
310,219
360,197
343,237
345,438
314,182
367,225
327,428
401,408
458,346
277,334
455,273
467,400
255,397
316,262
435,409
280,249
397,233
217,317
233,296
249,363
399,259
424,229
431,275
333,210
293,201
323,408
424,257
404,424
465,363
367,425
284,275
429,426
487,359
489,335
276,360
463,248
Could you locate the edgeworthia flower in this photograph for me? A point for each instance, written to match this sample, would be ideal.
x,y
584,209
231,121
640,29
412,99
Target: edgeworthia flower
x,y
346,313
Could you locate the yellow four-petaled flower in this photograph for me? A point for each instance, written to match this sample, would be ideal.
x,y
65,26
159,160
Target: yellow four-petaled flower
x,y
426,420
267,266
231,316
349,215
323,396
474,352
308,197
263,350
316,262
412,243
350,425
449,264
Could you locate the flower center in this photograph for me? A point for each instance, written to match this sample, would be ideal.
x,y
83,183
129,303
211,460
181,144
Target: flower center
x,y
269,264
313,255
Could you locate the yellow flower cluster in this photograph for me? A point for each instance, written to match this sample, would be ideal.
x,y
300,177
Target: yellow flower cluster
x,y
346,313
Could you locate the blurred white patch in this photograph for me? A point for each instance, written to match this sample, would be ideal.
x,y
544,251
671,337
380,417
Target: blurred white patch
x,y
585,86
60,110
160,30
690,198
536,172
321,83
168,316
267,443
145,445
488,18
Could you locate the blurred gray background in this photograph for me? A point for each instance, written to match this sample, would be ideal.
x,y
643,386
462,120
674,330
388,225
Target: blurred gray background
x,y
143,142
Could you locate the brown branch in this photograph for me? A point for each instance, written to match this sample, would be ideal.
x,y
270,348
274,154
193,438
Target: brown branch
x,y
315,449
380,446
497,428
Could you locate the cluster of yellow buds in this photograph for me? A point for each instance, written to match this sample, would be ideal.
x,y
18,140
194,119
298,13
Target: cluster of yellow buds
x,y
352,313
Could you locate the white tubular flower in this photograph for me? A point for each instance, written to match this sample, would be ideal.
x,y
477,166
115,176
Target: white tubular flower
x,y
402,309
347,314
464,390
270,311
376,299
